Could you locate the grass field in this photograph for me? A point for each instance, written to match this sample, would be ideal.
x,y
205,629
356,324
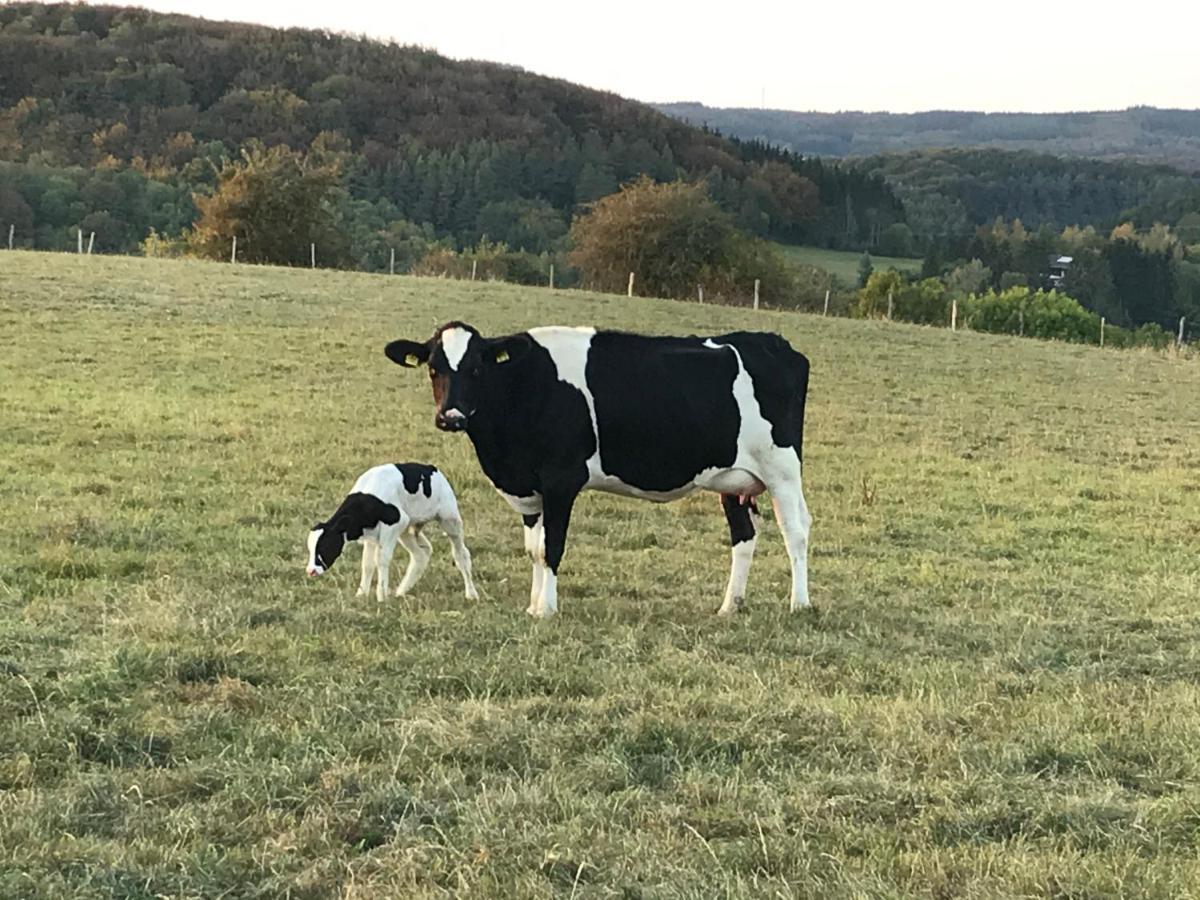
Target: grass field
x,y
998,695
843,264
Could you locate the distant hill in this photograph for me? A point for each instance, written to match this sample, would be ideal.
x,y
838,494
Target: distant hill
x,y
1170,136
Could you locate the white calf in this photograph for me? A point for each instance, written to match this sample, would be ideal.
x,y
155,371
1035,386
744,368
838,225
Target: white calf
x,y
388,505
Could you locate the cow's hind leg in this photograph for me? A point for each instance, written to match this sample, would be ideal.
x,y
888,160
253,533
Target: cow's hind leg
x,y
738,513
791,512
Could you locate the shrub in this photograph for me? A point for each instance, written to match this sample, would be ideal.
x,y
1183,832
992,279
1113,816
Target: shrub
x,y
1041,314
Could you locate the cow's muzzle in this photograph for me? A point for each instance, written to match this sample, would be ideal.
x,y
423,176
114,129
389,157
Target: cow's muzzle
x,y
451,420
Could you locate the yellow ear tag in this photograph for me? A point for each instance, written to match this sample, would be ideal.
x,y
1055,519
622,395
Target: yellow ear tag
x,y
411,360
501,356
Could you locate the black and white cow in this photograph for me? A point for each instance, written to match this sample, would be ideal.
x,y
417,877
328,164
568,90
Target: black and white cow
x,y
390,505
555,411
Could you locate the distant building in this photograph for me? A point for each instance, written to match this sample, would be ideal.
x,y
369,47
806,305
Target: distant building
x,y
1056,270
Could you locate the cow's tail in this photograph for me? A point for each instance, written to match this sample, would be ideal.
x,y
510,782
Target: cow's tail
x,y
799,398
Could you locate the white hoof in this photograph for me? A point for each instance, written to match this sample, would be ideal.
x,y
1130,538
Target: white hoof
x,y
472,594
732,606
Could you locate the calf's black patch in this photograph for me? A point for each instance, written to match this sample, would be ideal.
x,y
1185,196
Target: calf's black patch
x,y
417,476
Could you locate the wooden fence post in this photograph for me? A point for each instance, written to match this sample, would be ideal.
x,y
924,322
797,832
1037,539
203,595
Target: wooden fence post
x,y
474,268
825,312
756,293
700,292
954,314
551,276
312,256
233,255
1102,331
91,241
1021,314
629,293
79,248
11,230
392,264
889,305
1182,319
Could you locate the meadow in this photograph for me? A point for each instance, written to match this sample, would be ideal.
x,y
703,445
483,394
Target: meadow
x,y
997,694
843,264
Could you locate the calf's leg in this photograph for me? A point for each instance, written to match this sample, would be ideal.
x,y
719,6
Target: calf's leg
x,y
453,527
419,553
369,549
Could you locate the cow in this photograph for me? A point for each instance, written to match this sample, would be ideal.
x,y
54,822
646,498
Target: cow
x,y
556,410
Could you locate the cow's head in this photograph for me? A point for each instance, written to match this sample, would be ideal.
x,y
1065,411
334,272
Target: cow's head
x,y
460,360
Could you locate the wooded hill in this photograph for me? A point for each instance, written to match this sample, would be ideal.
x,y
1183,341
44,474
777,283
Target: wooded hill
x,y
122,114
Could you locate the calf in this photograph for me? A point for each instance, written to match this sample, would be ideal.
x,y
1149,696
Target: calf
x,y
556,411
392,504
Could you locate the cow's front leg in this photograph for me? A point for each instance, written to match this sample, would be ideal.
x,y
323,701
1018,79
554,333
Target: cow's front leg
x,y
536,548
556,516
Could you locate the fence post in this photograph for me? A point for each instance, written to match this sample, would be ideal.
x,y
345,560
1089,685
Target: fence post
x,y
312,256
233,255
756,293
551,276
11,230
91,241
1182,319
889,305
629,293
1102,331
825,312
474,267
700,292
392,264
954,314
79,235
1021,314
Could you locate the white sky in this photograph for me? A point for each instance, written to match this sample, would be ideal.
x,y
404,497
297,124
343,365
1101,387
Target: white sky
x,y
1018,55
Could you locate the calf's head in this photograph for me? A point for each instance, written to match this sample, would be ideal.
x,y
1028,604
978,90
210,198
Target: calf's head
x,y
460,361
357,513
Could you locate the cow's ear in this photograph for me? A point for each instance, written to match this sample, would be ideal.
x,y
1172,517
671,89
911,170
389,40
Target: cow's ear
x,y
509,349
409,354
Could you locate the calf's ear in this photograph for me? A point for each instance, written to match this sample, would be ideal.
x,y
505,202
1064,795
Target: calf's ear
x,y
388,514
508,349
409,354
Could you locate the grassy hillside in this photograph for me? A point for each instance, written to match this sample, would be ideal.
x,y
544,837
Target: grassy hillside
x,y
1155,135
843,264
997,696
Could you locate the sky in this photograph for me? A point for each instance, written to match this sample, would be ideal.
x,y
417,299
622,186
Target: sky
x,y
896,57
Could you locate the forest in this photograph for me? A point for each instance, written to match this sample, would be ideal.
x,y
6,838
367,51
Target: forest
x,y
101,101
1144,133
